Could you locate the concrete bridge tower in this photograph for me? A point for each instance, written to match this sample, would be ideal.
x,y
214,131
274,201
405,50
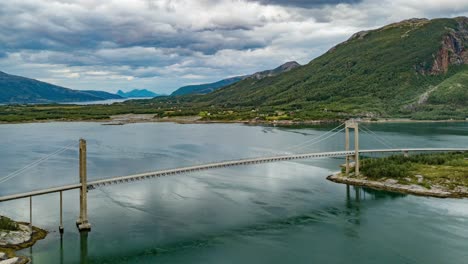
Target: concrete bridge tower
x,y
353,125
82,222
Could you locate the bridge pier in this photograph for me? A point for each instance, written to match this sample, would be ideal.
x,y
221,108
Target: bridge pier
x,y
82,222
61,214
30,215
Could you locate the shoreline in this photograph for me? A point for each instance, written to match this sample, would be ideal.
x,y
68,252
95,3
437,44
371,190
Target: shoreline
x,y
393,186
149,118
11,249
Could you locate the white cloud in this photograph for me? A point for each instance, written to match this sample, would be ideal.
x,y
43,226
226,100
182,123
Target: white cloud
x,y
163,44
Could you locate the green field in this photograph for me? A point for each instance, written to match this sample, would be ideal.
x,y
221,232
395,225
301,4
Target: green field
x,y
445,169
7,224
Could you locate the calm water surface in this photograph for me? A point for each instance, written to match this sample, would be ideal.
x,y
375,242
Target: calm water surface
x,y
283,212
107,102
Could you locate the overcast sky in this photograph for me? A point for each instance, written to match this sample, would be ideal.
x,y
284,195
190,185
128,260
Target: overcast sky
x,y
163,44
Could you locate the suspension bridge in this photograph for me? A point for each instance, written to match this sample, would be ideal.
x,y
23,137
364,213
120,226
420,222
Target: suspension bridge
x,y
84,185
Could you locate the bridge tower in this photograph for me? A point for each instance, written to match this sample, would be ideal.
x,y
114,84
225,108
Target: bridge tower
x,y
82,222
352,124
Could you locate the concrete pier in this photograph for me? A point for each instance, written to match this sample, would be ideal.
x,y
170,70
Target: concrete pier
x,y
82,222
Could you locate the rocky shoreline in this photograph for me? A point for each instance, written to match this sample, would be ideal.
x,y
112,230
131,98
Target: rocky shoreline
x,y
392,185
12,241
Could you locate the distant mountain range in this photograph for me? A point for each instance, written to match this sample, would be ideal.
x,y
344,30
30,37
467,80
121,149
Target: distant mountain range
x,y
18,90
102,94
210,87
207,87
137,93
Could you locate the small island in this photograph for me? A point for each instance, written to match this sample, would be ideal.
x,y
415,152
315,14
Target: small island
x,y
16,236
440,175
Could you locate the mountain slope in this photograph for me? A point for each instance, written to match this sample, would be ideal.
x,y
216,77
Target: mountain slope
x,y
103,95
137,93
452,91
17,89
210,87
207,87
278,70
374,73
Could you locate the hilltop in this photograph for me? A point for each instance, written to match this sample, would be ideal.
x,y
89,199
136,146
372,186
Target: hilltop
x,y
19,90
210,87
135,93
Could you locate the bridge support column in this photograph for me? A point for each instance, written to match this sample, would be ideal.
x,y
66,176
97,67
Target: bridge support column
x,y
352,125
347,148
61,213
30,215
356,150
82,222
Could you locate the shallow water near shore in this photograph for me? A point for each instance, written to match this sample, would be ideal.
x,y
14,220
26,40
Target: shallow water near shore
x,y
285,212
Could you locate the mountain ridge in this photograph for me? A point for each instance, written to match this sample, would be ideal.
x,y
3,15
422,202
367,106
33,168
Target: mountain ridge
x,y
16,89
137,93
210,87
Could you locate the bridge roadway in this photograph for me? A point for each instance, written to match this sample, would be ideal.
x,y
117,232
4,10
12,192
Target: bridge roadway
x,y
148,175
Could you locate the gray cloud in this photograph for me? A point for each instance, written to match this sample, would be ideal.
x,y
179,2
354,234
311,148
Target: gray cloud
x,y
306,3
163,44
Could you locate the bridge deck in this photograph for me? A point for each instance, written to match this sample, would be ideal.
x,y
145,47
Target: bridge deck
x,y
136,177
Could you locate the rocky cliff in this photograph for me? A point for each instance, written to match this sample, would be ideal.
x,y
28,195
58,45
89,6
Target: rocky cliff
x,y
453,50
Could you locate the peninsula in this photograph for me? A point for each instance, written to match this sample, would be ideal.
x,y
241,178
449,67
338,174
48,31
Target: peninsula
x,y
441,175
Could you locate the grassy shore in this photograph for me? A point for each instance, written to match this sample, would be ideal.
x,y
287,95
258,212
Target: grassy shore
x,y
160,111
440,174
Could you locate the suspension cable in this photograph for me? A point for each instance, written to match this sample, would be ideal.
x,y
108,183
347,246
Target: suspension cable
x,y
33,164
313,139
378,138
316,142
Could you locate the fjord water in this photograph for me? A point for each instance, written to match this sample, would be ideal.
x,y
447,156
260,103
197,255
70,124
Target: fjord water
x,y
285,212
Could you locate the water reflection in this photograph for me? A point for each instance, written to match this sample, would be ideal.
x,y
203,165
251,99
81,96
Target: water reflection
x,y
376,194
358,194
61,249
83,247
357,201
31,254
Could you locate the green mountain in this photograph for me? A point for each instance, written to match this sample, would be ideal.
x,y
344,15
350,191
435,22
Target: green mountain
x,y
210,87
103,95
19,90
278,70
206,87
453,91
416,68
137,93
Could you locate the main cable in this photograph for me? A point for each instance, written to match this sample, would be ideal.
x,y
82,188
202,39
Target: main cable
x,y
316,142
378,138
33,164
313,139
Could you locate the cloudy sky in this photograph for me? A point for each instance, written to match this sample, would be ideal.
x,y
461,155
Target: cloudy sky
x,y
163,44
